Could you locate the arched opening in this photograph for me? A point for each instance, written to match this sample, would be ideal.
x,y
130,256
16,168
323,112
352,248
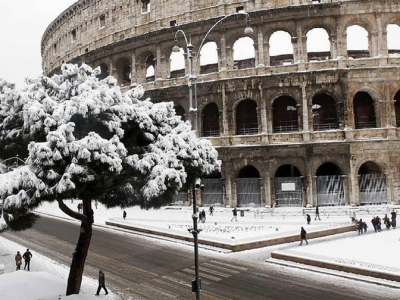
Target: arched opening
x,y
104,72
357,42
177,65
284,114
324,112
318,45
288,186
210,120
180,111
248,187
393,39
150,68
246,117
123,71
209,58
330,185
364,111
397,108
372,184
213,190
281,48
244,53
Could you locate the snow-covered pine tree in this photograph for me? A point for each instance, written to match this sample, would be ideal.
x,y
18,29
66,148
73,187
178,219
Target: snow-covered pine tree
x,y
88,140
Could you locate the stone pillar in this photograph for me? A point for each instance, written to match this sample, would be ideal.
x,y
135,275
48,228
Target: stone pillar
x,y
346,189
267,190
133,69
353,183
224,122
260,49
373,44
333,44
262,191
263,111
267,60
222,61
305,112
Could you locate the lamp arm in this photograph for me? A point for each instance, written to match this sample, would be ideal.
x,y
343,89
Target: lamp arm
x,y
208,32
183,34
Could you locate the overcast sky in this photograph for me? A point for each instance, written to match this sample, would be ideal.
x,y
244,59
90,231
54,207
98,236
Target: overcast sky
x,y
22,24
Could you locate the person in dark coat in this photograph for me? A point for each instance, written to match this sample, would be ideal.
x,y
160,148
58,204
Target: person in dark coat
x,y
374,223
211,210
234,212
360,227
18,260
27,257
102,283
202,216
317,213
308,219
394,214
303,237
124,214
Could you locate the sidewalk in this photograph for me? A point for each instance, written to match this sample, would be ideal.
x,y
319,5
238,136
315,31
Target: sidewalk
x,y
348,252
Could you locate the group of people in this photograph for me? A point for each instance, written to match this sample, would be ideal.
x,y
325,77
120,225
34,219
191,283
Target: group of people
x,y
377,223
27,258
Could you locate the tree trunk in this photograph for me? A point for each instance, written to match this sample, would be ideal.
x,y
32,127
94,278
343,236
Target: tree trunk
x,y
81,250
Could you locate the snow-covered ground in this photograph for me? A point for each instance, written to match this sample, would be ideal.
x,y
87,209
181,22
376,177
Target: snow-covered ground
x,y
366,251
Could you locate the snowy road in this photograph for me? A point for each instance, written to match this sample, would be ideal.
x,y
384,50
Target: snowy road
x,y
145,268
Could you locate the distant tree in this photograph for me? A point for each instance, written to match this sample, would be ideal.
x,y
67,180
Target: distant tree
x,y
83,138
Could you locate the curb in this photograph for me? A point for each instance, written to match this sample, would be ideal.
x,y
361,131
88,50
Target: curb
x,y
334,266
239,247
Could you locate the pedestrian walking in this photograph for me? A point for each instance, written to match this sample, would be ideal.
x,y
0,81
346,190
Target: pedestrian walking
x,y
124,214
308,219
18,260
27,257
234,212
394,214
360,227
317,213
303,236
102,283
211,210
202,216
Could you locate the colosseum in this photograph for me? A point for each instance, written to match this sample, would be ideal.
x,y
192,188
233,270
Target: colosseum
x,y
303,110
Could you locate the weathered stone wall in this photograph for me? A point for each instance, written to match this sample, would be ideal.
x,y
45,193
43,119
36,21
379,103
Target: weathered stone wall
x,y
132,34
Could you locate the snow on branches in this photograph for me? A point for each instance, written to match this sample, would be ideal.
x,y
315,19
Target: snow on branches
x,y
83,135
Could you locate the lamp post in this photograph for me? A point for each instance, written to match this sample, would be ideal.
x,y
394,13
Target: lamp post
x,y
196,284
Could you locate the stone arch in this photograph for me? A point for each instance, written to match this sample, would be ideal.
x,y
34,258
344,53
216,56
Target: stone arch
x,y
123,71
150,67
284,114
210,120
281,50
248,189
144,60
357,46
397,107
392,39
324,112
288,186
177,64
246,117
208,60
330,185
364,111
372,183
318,44
213,191
243,53
104,71
180,111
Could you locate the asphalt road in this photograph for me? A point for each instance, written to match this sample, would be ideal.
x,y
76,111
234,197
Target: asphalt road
x,y
141,267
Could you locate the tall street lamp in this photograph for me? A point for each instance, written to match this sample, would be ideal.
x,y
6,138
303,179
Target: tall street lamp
x,y
196,284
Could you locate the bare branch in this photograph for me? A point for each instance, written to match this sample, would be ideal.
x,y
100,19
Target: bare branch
x,y
70,212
